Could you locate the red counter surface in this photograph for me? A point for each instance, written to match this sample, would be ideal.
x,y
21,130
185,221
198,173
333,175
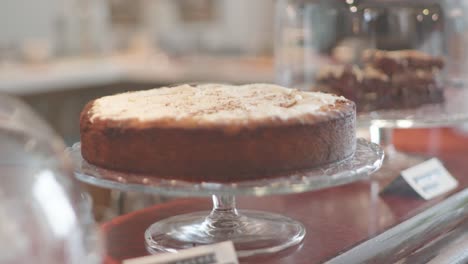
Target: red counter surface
x,y
336,219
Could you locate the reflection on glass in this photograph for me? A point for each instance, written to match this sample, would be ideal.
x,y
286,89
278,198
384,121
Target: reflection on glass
x,y
44,215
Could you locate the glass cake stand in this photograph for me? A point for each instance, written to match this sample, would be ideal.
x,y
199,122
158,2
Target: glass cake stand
x,y
252,232
382,123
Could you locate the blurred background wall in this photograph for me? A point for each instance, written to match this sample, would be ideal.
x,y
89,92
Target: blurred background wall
x,y
77,27
59,54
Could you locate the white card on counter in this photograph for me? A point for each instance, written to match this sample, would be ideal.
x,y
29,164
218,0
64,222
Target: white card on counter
x,y
427,179
220,253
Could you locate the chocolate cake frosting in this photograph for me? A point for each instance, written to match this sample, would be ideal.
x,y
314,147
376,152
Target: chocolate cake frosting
x,y
217,133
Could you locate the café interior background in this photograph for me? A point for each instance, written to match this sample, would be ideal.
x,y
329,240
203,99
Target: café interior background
x,y
59,54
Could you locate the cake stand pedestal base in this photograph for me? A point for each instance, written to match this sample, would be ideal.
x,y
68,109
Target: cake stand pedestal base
x,y
252,232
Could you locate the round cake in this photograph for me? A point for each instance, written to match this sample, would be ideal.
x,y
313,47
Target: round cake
x,y
217,132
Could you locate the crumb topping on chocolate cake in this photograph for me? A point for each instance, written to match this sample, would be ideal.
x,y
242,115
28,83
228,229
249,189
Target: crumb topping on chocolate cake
x,y
337,71
213,104
392,62
369,55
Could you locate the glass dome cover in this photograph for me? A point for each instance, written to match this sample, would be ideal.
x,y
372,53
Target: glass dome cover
x,y
44,215
380,53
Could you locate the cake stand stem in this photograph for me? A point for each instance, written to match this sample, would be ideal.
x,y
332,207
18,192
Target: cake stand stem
x,y
252,232
224,213
223,204
384,137
394,161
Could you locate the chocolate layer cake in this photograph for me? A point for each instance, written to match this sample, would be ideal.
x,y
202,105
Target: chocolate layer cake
x,y
216,132
388,80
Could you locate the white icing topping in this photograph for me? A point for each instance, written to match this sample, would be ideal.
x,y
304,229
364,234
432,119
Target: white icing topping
x,y
337,71
212,104
372,73
396,54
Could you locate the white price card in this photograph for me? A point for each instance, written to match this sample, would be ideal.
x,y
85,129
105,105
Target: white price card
x,y
429,179
220,253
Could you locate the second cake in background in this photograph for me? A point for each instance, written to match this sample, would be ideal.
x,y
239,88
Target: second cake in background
x,y
388,80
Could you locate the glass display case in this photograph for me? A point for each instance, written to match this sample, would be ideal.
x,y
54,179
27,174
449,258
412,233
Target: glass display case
x,y
401,62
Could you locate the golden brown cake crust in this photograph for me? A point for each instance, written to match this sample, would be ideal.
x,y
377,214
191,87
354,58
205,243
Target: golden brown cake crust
x,y
217,154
